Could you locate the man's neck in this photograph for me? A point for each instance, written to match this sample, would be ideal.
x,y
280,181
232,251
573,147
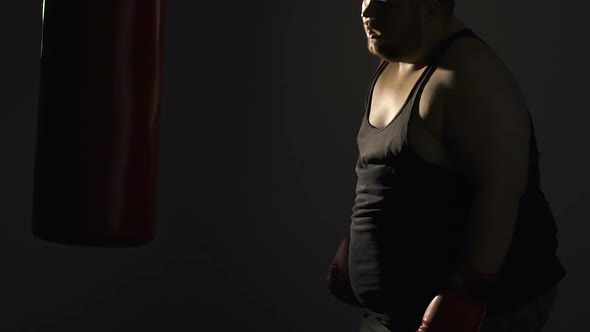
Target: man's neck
x,y
423,57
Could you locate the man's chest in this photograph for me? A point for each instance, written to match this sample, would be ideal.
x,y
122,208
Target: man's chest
x,y
426,124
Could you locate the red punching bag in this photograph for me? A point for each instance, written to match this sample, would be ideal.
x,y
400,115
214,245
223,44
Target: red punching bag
x,y
98,125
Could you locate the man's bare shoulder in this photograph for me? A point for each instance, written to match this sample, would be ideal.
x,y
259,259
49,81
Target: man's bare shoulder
x,y
470,61
486,125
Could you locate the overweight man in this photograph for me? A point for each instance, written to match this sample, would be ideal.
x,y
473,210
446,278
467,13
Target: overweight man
x,y
450,230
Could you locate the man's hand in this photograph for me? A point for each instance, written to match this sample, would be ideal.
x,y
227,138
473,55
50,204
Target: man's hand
x,y
448,312
338,279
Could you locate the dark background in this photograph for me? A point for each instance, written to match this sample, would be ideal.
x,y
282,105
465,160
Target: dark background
x,y
261,105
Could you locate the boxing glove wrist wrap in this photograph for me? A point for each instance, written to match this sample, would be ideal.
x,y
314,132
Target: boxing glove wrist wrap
x,y
471,285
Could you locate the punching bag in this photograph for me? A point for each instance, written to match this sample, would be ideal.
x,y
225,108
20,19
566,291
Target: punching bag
x,y
97,145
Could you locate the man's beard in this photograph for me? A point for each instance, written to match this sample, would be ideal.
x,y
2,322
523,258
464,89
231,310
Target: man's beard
x,y
385,50
395,51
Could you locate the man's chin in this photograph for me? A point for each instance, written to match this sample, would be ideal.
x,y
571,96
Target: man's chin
x,y
383,56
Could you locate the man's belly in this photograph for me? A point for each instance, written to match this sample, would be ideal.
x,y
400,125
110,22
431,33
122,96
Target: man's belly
x,y
388,265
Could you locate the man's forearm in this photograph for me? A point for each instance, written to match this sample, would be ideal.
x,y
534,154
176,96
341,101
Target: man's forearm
x,y
489,230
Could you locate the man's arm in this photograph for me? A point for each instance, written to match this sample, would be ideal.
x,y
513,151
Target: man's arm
x,y
487,136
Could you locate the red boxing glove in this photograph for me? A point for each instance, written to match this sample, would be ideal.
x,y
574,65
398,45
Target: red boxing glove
x,y
449,312
460,307
338,278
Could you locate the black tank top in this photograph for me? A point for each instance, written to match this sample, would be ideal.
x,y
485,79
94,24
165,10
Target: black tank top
x,y
409,218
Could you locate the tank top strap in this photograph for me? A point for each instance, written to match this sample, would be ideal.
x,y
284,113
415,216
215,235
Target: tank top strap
x,y
429,70
438,56
466,32
378,71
